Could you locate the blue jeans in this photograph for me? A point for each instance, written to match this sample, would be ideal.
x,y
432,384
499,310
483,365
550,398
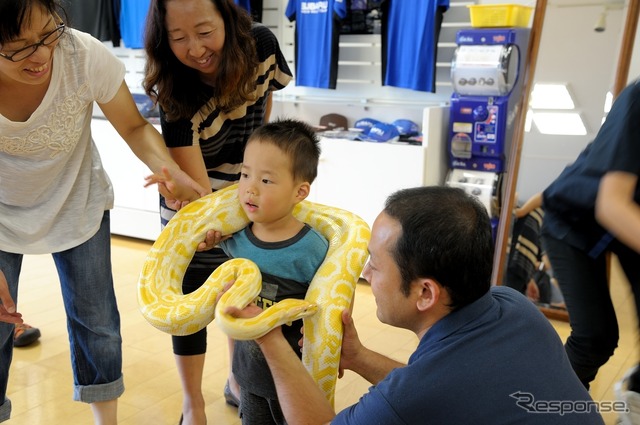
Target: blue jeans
x,y
93,320
256,410
584,284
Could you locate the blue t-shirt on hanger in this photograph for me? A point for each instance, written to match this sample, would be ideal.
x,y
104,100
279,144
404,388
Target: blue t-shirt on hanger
x,y
410,32
245,4
133,14
317,35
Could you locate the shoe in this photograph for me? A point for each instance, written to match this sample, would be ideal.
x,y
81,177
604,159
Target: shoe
x,y
229,397
631,415
24,335
632,403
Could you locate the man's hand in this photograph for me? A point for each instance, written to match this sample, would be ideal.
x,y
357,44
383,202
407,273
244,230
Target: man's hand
x,y
252,310
8,311
351,345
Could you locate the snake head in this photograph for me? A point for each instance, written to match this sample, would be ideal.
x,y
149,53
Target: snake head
x,y
301,310
296,309
310,310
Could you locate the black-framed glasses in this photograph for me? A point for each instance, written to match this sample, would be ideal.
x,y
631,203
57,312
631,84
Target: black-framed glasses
x,y
27,51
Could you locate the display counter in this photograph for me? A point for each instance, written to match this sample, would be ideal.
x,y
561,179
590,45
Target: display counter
x,y
353,175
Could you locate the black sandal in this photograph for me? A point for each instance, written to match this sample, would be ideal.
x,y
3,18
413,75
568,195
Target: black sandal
x,y
229,397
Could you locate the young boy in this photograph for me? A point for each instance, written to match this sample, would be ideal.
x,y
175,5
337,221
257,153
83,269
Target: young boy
x,y
280,163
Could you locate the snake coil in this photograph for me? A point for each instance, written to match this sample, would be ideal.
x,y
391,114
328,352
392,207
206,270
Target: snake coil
x,y
164,306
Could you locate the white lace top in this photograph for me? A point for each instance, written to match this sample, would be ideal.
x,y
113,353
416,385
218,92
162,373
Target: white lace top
x,y
53,188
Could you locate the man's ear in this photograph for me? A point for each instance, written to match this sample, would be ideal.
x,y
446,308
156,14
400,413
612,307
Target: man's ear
x,y
303,191
430,293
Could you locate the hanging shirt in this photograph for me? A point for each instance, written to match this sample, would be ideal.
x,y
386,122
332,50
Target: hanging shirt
x,y
96,17
410,32
317,36
256,10
133,14
245,4
254,7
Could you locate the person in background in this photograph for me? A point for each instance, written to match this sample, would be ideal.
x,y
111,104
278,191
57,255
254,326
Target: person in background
x,y
280,163
528,268
55,195
486,354
212,71
524,254
591,210
530,205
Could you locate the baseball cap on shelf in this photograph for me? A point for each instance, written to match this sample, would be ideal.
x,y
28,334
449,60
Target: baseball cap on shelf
x,y
365,124
334,122
145,105
381,132
406,128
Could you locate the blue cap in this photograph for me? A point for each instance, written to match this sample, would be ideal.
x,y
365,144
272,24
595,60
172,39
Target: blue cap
x,y
145,105
365,124
381,132
406,127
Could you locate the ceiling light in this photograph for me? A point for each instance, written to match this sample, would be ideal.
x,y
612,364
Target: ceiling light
x,y
528,121
560,123
551,96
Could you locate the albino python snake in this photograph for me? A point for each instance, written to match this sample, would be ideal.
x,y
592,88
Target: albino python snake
x,y
164,306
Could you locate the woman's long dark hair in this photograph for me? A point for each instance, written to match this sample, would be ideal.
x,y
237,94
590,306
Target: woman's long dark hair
x,y
175,87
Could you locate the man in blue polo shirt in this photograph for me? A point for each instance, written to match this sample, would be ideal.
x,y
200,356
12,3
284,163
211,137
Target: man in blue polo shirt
x,y
486,354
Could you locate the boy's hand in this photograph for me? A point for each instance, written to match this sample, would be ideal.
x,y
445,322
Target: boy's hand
x,y
211,239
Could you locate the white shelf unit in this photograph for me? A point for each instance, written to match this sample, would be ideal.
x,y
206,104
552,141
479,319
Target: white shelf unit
x,y
355,176
136,208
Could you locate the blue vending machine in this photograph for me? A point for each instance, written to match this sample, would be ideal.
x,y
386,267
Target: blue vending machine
x,y
487,75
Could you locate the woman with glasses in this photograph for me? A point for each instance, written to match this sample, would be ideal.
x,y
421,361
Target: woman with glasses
x,y
54,193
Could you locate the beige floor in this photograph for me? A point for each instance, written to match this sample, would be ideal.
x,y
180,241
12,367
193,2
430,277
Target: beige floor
x,y
40,381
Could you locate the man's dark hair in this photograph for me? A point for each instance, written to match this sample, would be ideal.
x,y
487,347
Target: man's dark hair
x,y
446,236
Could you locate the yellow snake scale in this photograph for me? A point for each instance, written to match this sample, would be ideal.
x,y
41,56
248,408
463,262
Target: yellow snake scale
x,y
331,291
